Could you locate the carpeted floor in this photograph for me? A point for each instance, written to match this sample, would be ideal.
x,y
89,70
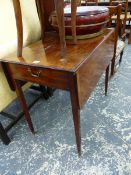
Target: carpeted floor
x,y
105,130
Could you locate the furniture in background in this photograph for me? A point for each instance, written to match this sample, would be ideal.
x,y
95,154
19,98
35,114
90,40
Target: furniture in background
x,y
122,33
105,3
129,21
89,2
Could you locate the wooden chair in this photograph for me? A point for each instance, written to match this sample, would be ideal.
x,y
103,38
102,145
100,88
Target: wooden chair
x,y
122,33
6,94
113,10
46,92
127,19
59,7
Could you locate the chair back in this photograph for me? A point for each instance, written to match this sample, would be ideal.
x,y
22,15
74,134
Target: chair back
x,y
59,7
123,16
19,25
115,10
21,18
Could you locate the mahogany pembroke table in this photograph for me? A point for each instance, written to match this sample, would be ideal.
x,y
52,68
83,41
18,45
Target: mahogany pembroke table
x,y
77,72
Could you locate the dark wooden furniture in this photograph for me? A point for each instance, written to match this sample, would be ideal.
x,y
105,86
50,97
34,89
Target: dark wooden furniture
x,y
78,72
59,7
119,20
129,39
46,92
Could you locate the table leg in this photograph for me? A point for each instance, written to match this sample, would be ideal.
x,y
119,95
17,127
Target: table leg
x,y
107,79
22,101
129,39
120,60
76,112
113,66
3,135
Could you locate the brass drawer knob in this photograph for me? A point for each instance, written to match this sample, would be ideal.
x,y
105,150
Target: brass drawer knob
x,y
36,75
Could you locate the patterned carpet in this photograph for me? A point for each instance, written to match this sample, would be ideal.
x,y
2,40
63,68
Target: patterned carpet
x,y
105,129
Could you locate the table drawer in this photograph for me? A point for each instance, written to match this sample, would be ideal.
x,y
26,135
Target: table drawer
x,y
44,76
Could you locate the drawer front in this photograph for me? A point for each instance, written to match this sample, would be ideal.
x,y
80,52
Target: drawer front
x,y
48,77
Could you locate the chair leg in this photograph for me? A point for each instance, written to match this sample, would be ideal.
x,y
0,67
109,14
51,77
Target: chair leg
x,y
44,91
113,66
129,38
106,79
3,135
22,101
50,91
120,60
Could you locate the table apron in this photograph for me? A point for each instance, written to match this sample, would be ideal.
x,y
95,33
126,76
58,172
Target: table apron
x,y
49,77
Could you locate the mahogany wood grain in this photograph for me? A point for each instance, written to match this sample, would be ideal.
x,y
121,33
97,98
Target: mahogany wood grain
x,y
48,55
107,78
41,14
22,101
124,9
59,5
75,109
48,7
73,19
44,76
129,39
115,10
89,73
78,72
18,16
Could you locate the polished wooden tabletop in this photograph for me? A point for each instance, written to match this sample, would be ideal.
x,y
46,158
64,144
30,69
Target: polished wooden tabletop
x,y
78,72
48,54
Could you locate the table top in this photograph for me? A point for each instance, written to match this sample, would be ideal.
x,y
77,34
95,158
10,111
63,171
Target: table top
x,y
48,55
